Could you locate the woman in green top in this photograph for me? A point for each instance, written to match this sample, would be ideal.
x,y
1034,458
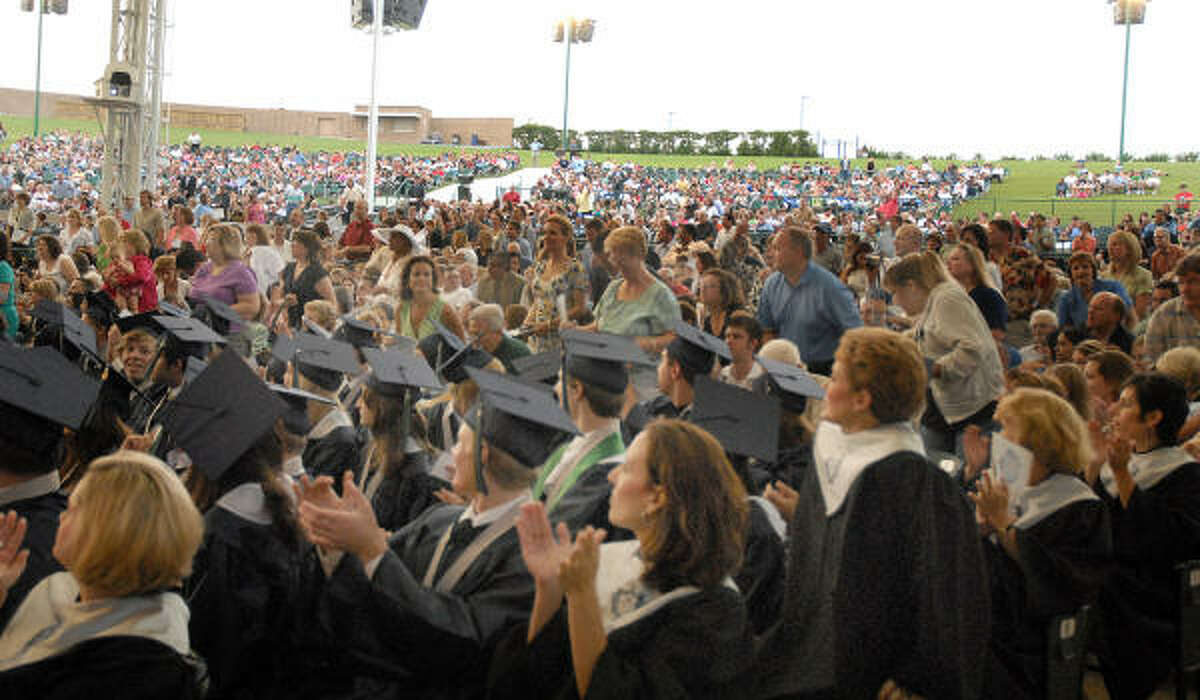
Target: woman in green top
x,y
8,290
420,304
557,273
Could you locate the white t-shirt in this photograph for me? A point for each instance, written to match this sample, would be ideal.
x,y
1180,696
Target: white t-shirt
x,y
267,264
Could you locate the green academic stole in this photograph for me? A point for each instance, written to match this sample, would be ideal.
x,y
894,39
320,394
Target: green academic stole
x,y
608,447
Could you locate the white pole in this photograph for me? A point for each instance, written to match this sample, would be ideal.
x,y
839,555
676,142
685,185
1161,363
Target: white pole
x,y
373,112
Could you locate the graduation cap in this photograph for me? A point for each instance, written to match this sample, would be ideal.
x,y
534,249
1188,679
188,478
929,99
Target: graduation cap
x,y
217,314
167,309
695,349
394,372
40,393
792,385
745,423
146,321
519,420
295,415
539,367
451,355
600,358
322,361
72,329
189,330
361,334
221,414
101,308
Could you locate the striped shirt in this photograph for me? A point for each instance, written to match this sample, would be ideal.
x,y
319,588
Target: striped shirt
x,y
1171,326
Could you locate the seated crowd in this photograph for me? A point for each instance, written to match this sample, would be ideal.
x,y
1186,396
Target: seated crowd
x,y
609,444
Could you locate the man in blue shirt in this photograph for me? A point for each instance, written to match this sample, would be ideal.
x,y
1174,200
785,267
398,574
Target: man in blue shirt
x,y
1073,306
805,303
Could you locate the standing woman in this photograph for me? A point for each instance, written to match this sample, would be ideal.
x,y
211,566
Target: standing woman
x,y
966,265
657,616
721,295
860,275
555,274
225,277
182,231
130,274
304,279
965,376
54,264
421,304
8,291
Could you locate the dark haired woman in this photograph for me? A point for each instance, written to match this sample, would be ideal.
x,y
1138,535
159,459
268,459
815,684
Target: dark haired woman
x,y
656,616
721,295
396,475
247,578
421,304
304,279
1153,493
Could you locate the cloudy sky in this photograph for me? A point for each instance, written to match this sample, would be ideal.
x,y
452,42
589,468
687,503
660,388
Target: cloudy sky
x,y
925,76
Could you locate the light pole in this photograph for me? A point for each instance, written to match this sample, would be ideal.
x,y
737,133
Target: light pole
x,y
1128,13
571,31
58,7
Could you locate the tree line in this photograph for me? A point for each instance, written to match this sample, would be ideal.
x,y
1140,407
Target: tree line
x,y
724,142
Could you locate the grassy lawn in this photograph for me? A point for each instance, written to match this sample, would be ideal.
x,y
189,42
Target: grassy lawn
x,y
1030,186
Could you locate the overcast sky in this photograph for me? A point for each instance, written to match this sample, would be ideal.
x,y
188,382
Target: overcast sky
x,y
925,76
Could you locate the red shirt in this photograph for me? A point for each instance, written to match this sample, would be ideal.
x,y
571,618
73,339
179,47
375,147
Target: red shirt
x,y
1183,200
358,233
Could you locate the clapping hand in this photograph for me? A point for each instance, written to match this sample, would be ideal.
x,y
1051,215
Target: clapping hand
x,y
578,572
991,502
1118,450
543,550
783,497
12,557
346,523
977,449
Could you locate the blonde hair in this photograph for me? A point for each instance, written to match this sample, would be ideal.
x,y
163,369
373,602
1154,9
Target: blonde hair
x,y
137,529
1046,425
228,238
322,313
1131,242
924,269
109,229
45,288
1182,363
889,367
164,263
627,238
137,240
1075,386
782,350
975,259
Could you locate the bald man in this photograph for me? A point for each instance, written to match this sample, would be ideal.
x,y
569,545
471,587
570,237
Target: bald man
x,y
1105,314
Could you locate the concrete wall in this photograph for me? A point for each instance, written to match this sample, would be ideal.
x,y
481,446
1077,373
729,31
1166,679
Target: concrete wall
x,y
398,124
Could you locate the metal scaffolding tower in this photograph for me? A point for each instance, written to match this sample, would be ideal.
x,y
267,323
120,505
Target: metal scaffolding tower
x,y
130,91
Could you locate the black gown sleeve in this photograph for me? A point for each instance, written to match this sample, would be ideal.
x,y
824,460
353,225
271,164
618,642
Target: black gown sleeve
x,y
142,668
763,576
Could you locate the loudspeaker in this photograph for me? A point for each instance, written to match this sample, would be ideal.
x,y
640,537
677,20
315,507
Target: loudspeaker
x,y
403,14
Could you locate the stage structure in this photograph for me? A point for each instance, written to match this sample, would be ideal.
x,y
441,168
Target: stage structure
x,y
130,93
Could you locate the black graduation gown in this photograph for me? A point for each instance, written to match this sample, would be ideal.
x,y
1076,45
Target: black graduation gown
x,y
641,414
41,514
128,667
406,640
891,586
698,646
406,493
244,594
586,502
333,454
764,571
1064,559
433,418
1139,605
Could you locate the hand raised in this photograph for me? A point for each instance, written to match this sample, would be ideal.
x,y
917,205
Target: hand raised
x,y
578,572
12,557
991,501
542,550
783,497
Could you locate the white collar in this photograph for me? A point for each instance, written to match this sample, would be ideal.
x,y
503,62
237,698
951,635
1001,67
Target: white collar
x,y
624,598
1151,467
30,488
247,502
841,457
1055,492
494,513
294,466
336,418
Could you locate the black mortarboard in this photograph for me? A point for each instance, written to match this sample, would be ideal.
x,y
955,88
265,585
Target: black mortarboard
x,y
600,358
695,349
101,308
40,393
221,414
792,385
74,330
538,367
517,419
361,334
321,360
450,355
393,372
217,314
295,415
746,424
171,310
189,330
147,321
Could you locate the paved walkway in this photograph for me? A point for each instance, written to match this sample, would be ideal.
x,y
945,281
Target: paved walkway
x,y
484,189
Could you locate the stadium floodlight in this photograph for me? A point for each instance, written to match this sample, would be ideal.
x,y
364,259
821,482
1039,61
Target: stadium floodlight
x,y
58,7
571,31
1127,13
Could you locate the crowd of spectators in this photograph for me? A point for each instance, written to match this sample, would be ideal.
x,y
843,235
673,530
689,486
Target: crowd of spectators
x,y
926,438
